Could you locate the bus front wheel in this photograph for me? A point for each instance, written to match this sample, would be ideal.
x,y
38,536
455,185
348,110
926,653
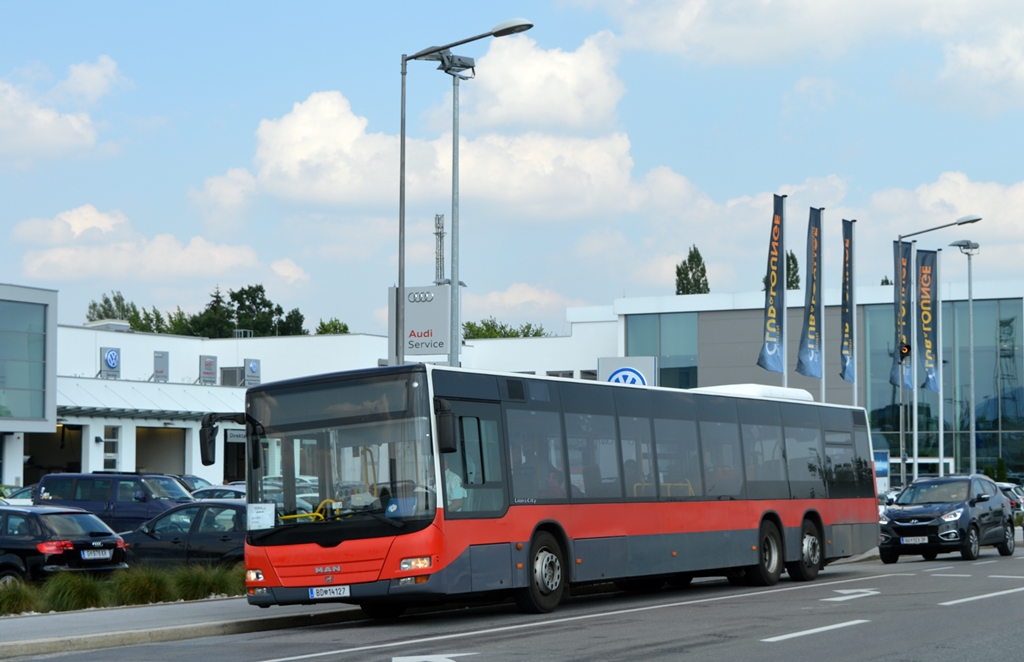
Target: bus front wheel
x,y
769,557
546,577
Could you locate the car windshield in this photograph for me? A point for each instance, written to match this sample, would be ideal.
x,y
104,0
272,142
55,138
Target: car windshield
x,y
933,492
165,487
75,524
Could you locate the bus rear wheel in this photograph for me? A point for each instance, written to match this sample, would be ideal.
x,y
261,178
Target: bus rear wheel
x,y
546,577
769,557
806,569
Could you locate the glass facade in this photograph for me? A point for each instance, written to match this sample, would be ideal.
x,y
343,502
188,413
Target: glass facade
x,y
672,337
22,360
998,368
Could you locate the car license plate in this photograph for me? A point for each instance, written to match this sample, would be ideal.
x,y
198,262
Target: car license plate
x,y
97,554
328,592
916,540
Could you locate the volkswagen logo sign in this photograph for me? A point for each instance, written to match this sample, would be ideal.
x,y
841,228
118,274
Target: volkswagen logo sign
x,y
111,359
254,367
627,376
421,297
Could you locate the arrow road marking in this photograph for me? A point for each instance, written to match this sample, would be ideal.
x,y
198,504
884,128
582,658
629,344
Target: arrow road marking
x,y
852,594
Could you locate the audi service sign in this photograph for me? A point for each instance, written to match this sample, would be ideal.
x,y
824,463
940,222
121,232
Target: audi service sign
x,y
427,320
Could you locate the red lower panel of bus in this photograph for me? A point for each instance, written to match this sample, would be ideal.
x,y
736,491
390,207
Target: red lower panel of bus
x,y
369,560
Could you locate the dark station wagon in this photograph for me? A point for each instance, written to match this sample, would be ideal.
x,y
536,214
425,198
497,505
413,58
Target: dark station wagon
x,y
39,541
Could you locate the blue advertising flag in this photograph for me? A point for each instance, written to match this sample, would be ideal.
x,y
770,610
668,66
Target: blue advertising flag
x,y
809,358
901,256
847,368
774,296
927,319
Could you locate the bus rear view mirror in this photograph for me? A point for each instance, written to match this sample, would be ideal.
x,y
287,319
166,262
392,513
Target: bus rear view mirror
x,y
208,444
446,439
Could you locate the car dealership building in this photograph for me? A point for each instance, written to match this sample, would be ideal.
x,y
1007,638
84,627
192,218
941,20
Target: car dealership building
x,y
101,397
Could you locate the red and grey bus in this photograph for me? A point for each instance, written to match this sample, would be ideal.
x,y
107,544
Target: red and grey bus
x,y
406,485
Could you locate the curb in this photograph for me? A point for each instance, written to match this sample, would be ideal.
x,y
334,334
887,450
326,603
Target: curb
x,y
13,649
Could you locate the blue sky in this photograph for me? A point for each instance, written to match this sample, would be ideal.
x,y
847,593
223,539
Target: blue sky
x,y
164,150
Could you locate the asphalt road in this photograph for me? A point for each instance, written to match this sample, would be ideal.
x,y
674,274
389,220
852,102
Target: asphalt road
x,y
914,610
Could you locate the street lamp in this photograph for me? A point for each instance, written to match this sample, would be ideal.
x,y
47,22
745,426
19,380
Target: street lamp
x,y
963,220
450,64
970,248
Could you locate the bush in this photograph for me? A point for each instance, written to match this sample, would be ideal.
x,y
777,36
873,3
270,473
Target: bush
x,y
197,582
69,591
17,598
140,586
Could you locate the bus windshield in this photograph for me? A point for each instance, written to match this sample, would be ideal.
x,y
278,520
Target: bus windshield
x,y
344,452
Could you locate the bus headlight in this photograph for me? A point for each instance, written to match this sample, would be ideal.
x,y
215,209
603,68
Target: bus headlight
x,y
253,575
418,563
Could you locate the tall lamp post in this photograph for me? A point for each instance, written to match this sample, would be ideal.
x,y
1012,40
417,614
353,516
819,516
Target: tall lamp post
x,y
453,65
963,220
970,248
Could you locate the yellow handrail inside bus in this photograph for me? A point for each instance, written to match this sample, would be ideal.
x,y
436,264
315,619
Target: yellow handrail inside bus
x,y
684,483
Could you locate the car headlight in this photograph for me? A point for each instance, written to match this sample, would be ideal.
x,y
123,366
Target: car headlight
x,y
953,515
883,518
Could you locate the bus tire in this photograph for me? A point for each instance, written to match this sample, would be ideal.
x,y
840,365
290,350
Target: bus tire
x,y
546,577
383,611
768,569
806,568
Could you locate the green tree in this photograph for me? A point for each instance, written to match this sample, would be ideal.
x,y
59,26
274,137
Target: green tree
x,y
333,326
113,307
253,310
885,281
179,323
792,273
691,274
216,321
491,328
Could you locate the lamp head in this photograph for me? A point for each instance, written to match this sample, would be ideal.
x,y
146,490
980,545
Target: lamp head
x,y
513,26
964,220
965,245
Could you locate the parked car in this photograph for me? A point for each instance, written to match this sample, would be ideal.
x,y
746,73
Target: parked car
x,y
192,483
220,492
1015,494
21,496
36,542
122,500
210,531
940,515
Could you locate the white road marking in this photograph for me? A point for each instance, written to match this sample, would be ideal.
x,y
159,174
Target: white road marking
x,y
980,597
945,567
1006,576
945,575
852,594
814,631
444,657
984,562
585,617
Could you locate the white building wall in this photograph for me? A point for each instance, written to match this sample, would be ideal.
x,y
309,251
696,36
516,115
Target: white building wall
x,y
13,448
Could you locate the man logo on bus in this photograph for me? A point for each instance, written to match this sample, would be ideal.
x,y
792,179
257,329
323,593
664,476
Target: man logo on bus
x,y
627,376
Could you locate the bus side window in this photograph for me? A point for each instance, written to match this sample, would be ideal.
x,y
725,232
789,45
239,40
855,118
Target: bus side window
x,y
720,440
536,456
637,458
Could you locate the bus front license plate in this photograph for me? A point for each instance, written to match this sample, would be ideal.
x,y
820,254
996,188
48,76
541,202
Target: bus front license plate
x,y
916,540
328,592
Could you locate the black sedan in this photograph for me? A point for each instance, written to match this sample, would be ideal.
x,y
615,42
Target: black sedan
x,y
39,541
952,514
210,531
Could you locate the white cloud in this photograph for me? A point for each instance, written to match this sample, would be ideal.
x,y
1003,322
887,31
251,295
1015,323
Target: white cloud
x,y
519,84
519,301
29,131
224,197
82,223
989,74
88,81
85,243
289,271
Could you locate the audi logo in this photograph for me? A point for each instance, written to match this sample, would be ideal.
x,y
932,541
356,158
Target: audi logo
x,y
421,297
